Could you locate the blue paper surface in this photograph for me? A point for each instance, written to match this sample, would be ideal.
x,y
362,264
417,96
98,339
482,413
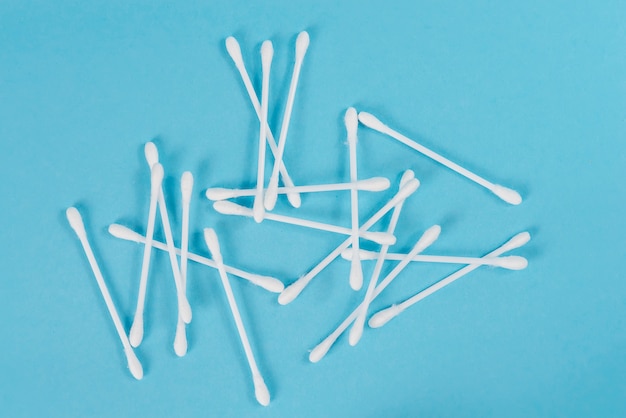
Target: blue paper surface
x,y
529,95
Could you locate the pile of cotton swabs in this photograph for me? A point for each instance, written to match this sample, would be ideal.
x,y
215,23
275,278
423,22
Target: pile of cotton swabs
x,y
265,197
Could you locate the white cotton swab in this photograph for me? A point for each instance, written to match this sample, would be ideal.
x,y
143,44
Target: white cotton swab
x,y
373,184
351,121
227,207
232,46
302,44
270,284
267,52
152,158
76,222
357,327
136,330
508,195
408,185
385,315
424,242
512,262
186,188
260,389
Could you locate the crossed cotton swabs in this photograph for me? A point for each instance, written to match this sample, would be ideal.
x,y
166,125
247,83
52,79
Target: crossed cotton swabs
x,y
264,202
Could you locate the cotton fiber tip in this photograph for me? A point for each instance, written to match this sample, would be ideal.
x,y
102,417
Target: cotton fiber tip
x,y
267,53
320,350
180,342
258,210
513,262
229,208
186,185
406,177
212,242
136,331
156,178
232,46
184,309
76,221
429,236
517,241
302,44
375,184
268,283
371,121
151,153
356,332
260,390
408,189
133,364
380,318
290,292
352,122
120,231
382,238
218,193
508,195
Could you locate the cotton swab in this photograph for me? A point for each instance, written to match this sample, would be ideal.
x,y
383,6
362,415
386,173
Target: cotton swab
x,y
424,242
186,188
268,283
357,328
232,46
408,185
351,121
385,315
373,184
227,207
152,157
267,52
302,43
260,389
136,330
76,222
512,262
508,195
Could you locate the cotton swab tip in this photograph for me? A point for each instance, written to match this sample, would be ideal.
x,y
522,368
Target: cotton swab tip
x,y
381,317
508,195
375,184
371,121
513,262
382,238
261,392
258,210
268,283
151,153
429,236
133,364
302,44
212,242
271,195
267,53
184,309
136,331
156,178
406,176
356,332
76,221
186,186
290,292
234,50
356,275
320,350
517,241
218,193
180,341
120,231
229,208
408,189
351,121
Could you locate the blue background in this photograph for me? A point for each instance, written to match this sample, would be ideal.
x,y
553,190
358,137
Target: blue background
x,y
531,95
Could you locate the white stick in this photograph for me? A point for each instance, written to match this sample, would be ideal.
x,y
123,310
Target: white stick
x,y
227,207
232,46
267,52
268,283
357,328
373,184
136,330
302,43
512,262
426,240
385,315
351,121
76,222
508,195
408,185
260,389
152,158
186,188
